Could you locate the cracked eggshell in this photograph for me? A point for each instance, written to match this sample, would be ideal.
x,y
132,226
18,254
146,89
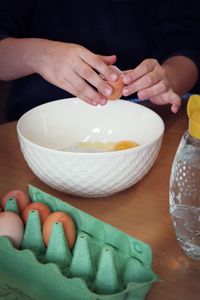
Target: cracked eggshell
x,y
117,88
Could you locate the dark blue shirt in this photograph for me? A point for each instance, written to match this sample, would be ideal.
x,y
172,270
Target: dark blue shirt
x,y
133,30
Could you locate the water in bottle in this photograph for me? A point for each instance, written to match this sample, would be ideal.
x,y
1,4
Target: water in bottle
x,y
185,184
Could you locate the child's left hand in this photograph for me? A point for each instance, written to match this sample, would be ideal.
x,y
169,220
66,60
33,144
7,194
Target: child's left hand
x,y
150,81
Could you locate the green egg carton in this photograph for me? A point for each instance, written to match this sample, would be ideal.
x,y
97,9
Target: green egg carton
x,y
105,263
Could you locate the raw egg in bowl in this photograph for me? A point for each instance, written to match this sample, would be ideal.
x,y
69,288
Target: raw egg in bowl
x,y
90,151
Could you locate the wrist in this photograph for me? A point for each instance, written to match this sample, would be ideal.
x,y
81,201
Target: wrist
x,y
36,50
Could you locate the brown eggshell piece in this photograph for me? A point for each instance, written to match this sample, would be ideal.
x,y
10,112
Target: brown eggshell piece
x,y
21,197
117,88
43,210
68,227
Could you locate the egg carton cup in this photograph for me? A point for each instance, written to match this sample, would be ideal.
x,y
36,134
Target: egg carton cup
x,y
105,263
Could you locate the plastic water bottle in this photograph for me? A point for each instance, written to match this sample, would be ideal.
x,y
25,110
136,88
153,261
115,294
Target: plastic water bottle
x,y
185,184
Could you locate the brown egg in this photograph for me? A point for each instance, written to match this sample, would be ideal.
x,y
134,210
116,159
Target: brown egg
x,y
117,88
12,227
21,198
122,145
68,227
43,210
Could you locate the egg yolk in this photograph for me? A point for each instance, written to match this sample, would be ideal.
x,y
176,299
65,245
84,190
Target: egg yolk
x,y
122,145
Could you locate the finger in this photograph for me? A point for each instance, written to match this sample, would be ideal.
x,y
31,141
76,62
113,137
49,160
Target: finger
x,y
67,86
158,88
176,103
168,98
146,81
175,108
109,60
86,90
95,80
115,68
99,65
145,67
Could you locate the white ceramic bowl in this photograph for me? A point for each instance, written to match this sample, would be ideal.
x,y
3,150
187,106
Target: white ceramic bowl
x,y
48,133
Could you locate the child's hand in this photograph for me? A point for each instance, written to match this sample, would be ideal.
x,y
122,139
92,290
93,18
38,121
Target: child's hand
x,y
76,70
150,81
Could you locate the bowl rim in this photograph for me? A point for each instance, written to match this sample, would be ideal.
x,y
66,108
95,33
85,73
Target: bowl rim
x,y
93,154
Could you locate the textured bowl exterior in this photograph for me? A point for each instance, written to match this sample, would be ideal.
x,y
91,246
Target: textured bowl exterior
x,y
43,130
89,176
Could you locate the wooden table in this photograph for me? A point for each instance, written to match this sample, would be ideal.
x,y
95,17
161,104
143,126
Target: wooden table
x,y
141,211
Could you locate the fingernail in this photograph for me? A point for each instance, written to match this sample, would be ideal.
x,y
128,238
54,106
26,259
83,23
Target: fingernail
x,y
141,95
107,91
175,108
125,92
103,101
114,77
127,79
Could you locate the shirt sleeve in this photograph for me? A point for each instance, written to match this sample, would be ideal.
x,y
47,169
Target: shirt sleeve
x,y
177,30
14,17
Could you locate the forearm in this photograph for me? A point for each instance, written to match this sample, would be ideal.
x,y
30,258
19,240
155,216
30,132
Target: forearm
x,y
16,56
181,72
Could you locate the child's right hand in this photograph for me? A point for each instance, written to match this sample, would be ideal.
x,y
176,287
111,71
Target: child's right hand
x,y
75,69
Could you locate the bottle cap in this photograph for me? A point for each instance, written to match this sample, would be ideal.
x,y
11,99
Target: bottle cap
x,y
193,111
